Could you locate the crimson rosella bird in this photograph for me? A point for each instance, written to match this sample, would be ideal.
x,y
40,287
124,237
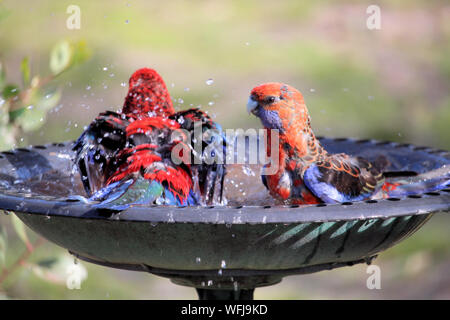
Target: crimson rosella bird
x,y
307,173
141,154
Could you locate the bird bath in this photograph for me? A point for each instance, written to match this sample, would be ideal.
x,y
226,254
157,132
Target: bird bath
x,y
225,252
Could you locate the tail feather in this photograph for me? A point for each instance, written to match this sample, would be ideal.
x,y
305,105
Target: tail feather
x,y
432,181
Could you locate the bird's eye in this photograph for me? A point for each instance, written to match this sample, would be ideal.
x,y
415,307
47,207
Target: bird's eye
x,y
270,99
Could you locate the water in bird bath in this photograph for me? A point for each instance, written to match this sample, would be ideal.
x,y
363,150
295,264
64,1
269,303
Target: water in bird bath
x,y
32,176
47,172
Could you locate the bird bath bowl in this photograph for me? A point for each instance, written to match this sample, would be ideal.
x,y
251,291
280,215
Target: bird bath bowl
x,y
225,252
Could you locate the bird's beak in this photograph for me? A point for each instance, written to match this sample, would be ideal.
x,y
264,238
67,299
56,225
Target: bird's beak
x,y
251,105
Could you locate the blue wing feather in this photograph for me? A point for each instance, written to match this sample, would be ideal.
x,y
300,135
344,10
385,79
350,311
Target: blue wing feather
x,y
123,194
325,191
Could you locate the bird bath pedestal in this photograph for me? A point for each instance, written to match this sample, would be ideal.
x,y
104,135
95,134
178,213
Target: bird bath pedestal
x,y
225,252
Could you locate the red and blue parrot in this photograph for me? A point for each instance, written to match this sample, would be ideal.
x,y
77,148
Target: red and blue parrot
x,y
307,173
139,155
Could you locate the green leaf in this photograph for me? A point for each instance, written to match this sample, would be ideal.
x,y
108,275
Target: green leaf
x,y
32,117
49,100
81,53
15,114
48,263
25,69
19,227
66,54
61,57
11,90
4,113
7,137
3,245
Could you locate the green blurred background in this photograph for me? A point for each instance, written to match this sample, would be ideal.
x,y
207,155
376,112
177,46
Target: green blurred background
x,y
390,84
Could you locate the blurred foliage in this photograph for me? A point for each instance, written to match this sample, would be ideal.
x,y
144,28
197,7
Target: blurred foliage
x,y
53,269
23,108
386,84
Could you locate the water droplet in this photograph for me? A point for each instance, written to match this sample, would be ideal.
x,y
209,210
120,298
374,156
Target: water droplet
x,y
30,107
88,87
211,103
248,171
105,68
209,81
198,260
123,84
223,264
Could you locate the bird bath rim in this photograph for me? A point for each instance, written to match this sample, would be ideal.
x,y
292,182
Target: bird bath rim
x,y
372,209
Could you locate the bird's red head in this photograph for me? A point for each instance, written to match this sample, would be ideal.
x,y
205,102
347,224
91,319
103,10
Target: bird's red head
x,y
147,95
279,106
